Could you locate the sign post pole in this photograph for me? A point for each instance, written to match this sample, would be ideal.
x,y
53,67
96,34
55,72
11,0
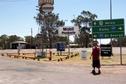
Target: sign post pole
x,y
120,51
68,44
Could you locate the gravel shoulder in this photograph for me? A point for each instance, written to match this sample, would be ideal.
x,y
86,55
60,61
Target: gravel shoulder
x,y
16,71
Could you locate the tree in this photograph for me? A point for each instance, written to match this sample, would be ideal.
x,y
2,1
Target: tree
x,y
83,21
124,41
31,41
3,41
13,38
115,42
49,24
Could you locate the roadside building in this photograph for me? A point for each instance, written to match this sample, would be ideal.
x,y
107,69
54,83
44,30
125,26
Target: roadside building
x,y
16,44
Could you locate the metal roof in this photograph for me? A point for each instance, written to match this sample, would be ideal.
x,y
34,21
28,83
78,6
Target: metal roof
x,y
19,42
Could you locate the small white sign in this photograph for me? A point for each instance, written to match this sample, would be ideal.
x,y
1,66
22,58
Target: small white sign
x,y
68,30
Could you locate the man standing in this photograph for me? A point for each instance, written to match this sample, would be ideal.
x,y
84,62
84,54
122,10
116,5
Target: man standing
x,y
95,58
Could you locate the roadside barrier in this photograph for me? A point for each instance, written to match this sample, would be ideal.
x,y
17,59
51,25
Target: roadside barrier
x,y
67,57
34,57
23,55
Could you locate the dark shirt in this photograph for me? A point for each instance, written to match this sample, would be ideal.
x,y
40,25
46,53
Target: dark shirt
x,y
95,53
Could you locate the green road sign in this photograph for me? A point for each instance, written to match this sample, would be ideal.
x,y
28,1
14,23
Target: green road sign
x,y
108,28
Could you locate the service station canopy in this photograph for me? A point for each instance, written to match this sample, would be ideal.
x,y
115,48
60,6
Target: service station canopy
x,y
113,28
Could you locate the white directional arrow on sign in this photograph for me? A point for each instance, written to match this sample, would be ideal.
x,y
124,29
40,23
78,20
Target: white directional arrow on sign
x,y
94,23
120,28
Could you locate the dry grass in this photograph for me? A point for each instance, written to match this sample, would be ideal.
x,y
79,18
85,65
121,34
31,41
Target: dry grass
x,y
115,59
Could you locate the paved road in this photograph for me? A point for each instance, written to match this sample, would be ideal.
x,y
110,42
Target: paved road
x,y
15,71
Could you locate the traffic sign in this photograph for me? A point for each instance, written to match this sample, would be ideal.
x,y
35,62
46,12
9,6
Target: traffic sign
x,y
106,50
108,28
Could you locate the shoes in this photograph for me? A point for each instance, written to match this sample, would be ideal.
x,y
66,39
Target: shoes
x,y
94,73
99,72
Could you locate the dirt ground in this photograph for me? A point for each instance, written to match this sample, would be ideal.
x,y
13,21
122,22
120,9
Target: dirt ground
x,y
74,70
18,71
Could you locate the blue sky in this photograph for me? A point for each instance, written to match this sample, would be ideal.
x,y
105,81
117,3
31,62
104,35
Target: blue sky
x,y
16,18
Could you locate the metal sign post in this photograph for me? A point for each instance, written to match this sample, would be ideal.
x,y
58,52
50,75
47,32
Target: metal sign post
x,y
120,42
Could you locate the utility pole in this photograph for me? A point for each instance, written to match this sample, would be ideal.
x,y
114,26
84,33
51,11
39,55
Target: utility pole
x,y
68,42
119,38
110,9
31,38
111,19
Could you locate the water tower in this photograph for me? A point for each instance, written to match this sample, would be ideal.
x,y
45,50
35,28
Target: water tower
x,y
43,2
46,6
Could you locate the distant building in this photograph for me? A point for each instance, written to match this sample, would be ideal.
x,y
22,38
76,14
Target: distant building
x,y
16,44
